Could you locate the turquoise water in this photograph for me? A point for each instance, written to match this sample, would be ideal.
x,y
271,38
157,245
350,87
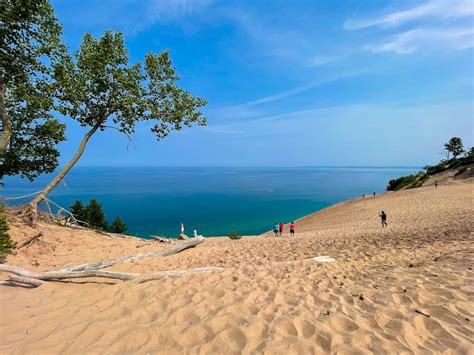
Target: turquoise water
x,y
154,201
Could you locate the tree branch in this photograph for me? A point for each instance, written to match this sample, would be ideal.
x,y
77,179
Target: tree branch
x,y
130,140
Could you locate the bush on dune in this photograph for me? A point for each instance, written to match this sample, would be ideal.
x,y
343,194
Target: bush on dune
x,y
234,235
6,244
404,181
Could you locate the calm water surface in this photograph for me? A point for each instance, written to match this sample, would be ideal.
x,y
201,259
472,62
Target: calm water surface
x,y
154,201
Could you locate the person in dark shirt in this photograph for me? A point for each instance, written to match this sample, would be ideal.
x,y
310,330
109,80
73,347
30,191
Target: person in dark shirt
x,y
383,219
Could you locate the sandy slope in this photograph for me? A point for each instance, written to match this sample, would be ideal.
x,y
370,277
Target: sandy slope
x,y
270,298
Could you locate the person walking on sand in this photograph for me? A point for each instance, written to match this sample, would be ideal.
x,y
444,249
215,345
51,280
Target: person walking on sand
x,y
374,194
436,184
275,229
383,219
281,229
292,229
363,196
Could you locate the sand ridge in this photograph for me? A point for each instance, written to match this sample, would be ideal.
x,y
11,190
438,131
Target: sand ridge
x,y
407,288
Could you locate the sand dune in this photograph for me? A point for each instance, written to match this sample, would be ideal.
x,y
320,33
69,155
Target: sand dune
x,y
407,288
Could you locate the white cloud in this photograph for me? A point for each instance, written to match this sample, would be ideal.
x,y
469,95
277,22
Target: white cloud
x,y
441,9
413,40
275,41
321,60
301,89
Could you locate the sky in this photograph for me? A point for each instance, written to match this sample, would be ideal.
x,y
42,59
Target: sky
x,y
294,83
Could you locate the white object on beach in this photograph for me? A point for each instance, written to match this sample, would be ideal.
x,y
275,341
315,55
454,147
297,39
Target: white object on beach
x,y
196,235
323,259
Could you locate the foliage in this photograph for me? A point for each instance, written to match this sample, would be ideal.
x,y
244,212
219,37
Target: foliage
x,y
469,153
100,84
454,146
100,90
6,244
117,226
78,210
412,181
234,235
31,46
404,181
94,216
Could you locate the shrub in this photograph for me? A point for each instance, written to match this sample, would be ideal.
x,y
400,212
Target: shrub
x,y
234,235
401,182
6,244
117,226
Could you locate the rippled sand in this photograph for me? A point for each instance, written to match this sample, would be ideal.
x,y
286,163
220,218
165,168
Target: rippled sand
x,y
405,288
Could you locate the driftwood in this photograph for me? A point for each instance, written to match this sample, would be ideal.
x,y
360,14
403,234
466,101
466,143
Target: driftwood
x,y
37,278
192,242
183,236
30,241
92,269
162,239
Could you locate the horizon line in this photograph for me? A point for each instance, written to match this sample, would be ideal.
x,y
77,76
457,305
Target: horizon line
x,y
254,166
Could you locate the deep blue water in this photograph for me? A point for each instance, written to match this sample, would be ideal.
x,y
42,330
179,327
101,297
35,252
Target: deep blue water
x,y
155,200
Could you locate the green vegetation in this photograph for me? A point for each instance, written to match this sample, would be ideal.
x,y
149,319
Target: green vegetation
x,y
97,87
93,215
30,48
6,244
404,181
454,147
117,226
234,235
100,89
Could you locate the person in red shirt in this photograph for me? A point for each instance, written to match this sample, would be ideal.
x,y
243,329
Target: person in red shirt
x,y
281,229
292,229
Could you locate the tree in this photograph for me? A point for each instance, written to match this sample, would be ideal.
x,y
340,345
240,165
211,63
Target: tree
x,y
31,46
454,146
78,210
117,226
101,90
95,216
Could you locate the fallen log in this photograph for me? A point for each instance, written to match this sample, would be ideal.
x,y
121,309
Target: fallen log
x,y
30,241
162,239
191,242
37,278
25,280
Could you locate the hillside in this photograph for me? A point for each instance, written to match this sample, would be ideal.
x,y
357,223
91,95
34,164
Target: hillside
x,y
446,172
400,289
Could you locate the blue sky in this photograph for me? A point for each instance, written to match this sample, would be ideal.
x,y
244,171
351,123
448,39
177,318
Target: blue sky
x,y
292,83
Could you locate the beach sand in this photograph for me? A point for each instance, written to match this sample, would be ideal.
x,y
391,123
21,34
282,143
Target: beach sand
x,y
407,288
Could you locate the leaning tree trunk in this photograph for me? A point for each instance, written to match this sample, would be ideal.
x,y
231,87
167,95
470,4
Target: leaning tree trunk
x,y
6,124
33,205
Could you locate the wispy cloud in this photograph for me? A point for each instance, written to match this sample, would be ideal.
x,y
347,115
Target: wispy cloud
x,y
431,9
322,60
275,41
413,40
300,89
